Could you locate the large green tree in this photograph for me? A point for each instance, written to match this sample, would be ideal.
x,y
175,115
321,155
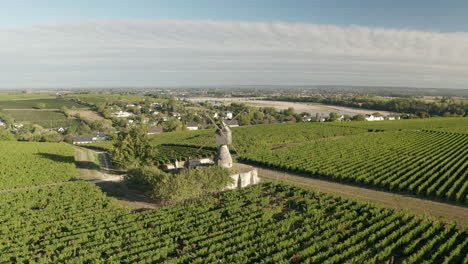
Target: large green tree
x,y
132,148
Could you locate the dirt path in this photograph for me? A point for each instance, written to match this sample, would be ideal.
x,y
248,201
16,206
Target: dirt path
x,y
86,165
398,201
110,183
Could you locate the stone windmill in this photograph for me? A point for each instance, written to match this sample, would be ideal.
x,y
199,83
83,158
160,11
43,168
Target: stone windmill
x,y
223,139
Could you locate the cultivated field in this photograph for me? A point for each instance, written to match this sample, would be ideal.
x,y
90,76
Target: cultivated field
x,y
269,223
86,114
424,163
44,118
46,103
27,163
95,99
299,107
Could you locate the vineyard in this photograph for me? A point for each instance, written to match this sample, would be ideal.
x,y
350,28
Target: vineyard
x,y
249,138
269,223
33,103
27,163
424,163
95,99
46,119
453,124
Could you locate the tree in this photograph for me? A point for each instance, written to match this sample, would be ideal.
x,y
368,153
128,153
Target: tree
x,y
176,187
358,118
333,117
132,148
5,135
173,124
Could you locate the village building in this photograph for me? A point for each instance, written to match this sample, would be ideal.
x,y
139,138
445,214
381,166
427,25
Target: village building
x,y
156,105
192,125
2,123
154,130
99,136
228,115
232,123
392,117
121,114
373,118
19,125
82,140
61,130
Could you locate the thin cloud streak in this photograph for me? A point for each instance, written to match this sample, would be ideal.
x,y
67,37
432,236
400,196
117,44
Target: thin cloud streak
x,y
184,52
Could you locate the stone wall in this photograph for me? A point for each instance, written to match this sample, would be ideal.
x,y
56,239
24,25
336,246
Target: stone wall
x,y
244,179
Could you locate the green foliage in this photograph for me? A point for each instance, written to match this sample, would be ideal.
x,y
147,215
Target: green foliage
x,y
173,124
132,148
176,187
5,135
333,117
358,118
75,222
24,163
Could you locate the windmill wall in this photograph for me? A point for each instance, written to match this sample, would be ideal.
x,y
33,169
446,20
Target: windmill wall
x,y
243,178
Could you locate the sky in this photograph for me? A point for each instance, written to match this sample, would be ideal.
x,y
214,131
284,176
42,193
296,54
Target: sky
x,y
87,43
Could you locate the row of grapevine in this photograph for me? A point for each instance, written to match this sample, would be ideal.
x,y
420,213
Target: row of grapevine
x,y
269,223
28,163
425,163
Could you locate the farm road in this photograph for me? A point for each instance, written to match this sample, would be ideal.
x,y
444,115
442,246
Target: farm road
x,y
394,200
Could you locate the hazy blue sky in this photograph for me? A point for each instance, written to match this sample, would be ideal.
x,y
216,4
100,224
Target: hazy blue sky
x,y
141,42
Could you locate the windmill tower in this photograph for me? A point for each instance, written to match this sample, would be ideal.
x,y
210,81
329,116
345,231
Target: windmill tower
x,y
223,139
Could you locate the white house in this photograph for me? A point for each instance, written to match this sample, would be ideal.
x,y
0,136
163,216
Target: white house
x,y
154,112
392,117
228,115
121,114
373,118
130,105
215,115
131,121
192,125
2,123
18,125
61,130
176,115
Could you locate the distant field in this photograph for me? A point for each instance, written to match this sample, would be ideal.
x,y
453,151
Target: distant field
x,y
33,103
86,114
112,98
14,96
452,124
44,118
75,222
28,163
